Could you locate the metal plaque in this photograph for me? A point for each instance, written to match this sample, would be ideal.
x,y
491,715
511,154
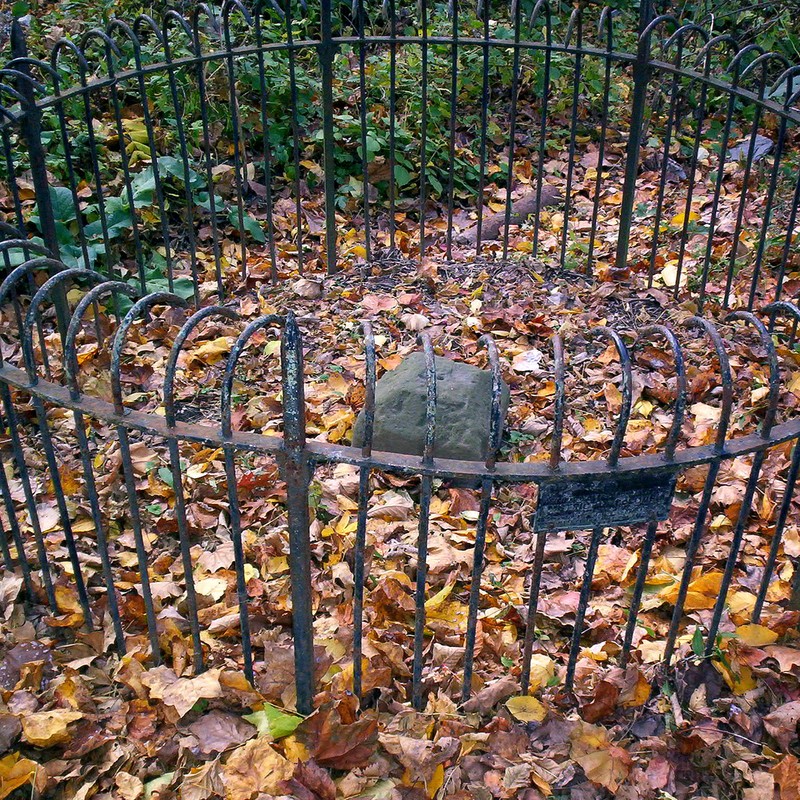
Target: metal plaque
x,y
575,504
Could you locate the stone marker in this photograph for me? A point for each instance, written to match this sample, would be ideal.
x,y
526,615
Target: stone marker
x,y
463,408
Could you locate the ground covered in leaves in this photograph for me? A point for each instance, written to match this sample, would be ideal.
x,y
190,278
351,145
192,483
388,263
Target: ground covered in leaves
x,y
78,721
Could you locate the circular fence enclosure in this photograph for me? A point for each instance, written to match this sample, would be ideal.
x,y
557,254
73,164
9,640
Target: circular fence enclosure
x,y
195,155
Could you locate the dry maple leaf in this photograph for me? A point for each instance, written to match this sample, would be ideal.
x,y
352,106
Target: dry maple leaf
x,y
333,743
603,762
254,768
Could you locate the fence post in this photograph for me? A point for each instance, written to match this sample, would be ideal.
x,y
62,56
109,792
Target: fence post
x,y
641,77
296,473
326,53
30,129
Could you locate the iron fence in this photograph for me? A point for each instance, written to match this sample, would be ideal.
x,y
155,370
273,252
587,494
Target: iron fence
x,y
96,234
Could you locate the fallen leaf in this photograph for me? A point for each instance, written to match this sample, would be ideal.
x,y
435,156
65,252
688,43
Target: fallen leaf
x,y
254,768
15,772
218,731
526,708
781,723
492,694
48,728
756,635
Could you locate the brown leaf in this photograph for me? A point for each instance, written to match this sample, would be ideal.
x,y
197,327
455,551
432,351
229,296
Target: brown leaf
x,y
334,744
218,731
185,692
603,703
602,762
310,782
253,769
203,783
48,728
782,723
129,786
492,694
787,775
420,757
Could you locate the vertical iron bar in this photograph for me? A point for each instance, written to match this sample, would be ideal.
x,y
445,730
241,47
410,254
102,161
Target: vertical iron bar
x,y
363,502
13,424
326,53
207,160
573,131
601,147
452,131
662,182
423,133
138,536
583,602
638,589
777,536
483,6
392,121
236,140
542,133
238,557
733,555
188,221
495,431
298,201
512,127
100,530
723,154
297,473
266,149
13,524
426,490
30,128
186,555
641,78
533,605
700,112
362,108
743,199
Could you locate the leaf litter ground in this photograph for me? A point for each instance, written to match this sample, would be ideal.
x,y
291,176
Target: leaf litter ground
x,y
79,722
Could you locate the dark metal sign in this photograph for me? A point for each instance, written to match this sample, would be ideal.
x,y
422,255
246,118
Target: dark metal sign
x,y
604,501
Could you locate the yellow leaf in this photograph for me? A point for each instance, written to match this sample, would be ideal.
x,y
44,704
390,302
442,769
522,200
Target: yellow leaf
x,y
703,591
756,635
15,772
669,275
543,668
739,682
435,602
678,220
213,351
436,782
603,762
526,708
48,728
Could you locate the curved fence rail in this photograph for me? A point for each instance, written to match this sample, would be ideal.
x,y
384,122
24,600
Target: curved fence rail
x,y
601,496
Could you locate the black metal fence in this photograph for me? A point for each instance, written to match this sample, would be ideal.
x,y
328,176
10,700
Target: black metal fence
x,y
156,178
